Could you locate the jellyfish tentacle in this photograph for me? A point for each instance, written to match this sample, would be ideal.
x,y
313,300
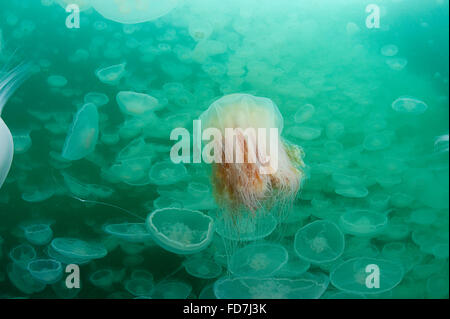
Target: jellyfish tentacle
x,y
11,81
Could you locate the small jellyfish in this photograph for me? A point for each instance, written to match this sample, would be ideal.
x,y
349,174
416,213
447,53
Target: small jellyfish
x,y
201,267
363,223
22,141
389,50
78,249
102,278
83,134
48,271
21,255
181,231
133,11
408,104
22,279
335,130
258,260
171,289
38,234
167,173
57,81
352,191
139,287
304,113
39,194
441,143
112,74
397,64
136,104
96,98
132,232
200,30
304,132
319,242
351,275
377,141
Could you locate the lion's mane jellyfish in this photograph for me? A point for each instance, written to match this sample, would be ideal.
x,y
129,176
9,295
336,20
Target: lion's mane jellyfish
x,y
251,175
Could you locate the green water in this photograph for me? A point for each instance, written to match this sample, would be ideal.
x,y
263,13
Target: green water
x,y
368,106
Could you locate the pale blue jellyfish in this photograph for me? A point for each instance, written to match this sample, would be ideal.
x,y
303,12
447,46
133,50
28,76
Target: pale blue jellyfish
x,y
377,141
96,98
9,82
306,286
389,50
133,232
304,132
83,134
353,275
112,74
171,289
38,234
201,267
48,271
181,231
409,104
258,260
133,11
304,113
363,223
319,242
200,30
167,173
397,64
136,104
75,250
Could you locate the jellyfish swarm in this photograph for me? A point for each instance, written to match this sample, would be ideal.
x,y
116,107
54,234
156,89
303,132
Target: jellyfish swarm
x,y
254,185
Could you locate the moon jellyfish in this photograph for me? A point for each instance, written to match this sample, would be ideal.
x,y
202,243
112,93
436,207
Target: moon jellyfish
x,y
9,83
293,268
112,74
201,267
135,104
397,64
83,134
48,271
21,255
57,81
102,278
22,141
319,242
132,232
171,290
304,132
377,141
304,113
265,179
306,286
352,191
139,287
352,275
181,231
258,260
77,250
363,223
441,143
167,173
38,234
21,278
200,30
96,98
408,104
133,11
389,50
39,194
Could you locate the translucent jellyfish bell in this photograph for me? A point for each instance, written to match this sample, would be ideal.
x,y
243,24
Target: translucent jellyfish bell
x,y
133,11
132,103
38,234
389,50
139,287
363,222
112,74
22,141
57,81
181,231
258,260
96,98
102,278
48,271
132,232
171,290
167,173
74,249
409,104
201,267
83,134
319,242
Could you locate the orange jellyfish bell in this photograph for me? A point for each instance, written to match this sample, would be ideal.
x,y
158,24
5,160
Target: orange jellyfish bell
x,y
253,168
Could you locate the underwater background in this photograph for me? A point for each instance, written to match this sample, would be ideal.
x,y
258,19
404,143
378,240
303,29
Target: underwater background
x,y
367,104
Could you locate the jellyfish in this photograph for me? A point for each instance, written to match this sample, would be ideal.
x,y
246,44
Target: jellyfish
x,y
133,11
75,251
83,134
389,50
351,275
57,81
304,113
38,234
304,132
167,173
132,232
112,74
409,104
181,231
96,98
9,82
246,178
201,267
397,64
48,271
319,242
135,104
22,141
21,255
102,278
363,223
258,260
139,286
200,30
